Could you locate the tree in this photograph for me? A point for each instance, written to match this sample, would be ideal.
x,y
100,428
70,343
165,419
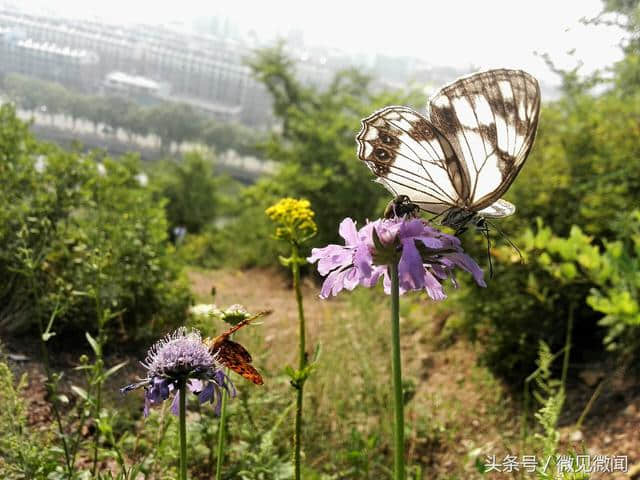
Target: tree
x,y
174,122
626,15
274,69
230,136
190,187
77,107
316,153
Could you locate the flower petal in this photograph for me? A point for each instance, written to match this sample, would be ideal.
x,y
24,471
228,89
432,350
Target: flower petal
x,y
195,385
363,260
175,405
335,258
158,391
147,406
433,286
410,268
465,262
348,231
351,278
207,393
332,284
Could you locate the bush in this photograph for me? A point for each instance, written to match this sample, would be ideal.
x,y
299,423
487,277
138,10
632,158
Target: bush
x,y
523,305
583,169
23,453
80,233
191,190
592,279
582,172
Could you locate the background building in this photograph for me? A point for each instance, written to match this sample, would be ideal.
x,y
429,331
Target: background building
x,y
206,71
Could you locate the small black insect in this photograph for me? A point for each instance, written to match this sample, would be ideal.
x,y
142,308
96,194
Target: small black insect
x,y
401,206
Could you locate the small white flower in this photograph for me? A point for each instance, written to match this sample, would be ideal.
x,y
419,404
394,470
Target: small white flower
x,y
204,310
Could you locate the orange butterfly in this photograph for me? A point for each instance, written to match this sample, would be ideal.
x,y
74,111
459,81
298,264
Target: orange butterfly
x,y
233,355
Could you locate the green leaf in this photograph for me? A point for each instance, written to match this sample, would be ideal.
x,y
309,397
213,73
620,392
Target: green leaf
x,y
81,392
114,369
94,345
316,353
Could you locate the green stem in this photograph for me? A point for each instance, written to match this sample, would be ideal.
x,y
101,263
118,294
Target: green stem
x,y
567,347
295,269
96,440
302,332
183,431
98,371
298,433
51,393
396,370
221,427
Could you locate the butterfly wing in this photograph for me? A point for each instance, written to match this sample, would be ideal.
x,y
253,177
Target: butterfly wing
x,y
498,209
411,157
490,120
234,356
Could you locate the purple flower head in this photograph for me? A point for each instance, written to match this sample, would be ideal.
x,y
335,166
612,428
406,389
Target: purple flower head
x,y
181,360
425,257
345,265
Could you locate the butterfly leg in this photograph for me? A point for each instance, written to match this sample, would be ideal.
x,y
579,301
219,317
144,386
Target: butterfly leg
x,y
460,230
509,241
483,228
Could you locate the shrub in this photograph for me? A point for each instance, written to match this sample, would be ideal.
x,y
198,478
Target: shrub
x,y
582,172
79,233
23,453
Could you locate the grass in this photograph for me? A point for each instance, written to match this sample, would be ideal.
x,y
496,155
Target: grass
x,y
456,411
348,407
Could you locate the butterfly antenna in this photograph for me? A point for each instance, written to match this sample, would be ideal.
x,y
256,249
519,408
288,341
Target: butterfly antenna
x,y
506,237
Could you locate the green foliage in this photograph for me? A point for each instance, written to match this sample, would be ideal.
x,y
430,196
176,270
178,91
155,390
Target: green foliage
x,y
585,152
600,281
191,190
612,269
550,396
582,172
75,226
522,305
24,454
230,136
316,152
174,122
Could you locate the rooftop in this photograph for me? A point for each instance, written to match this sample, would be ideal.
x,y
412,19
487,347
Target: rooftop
x,y
132,80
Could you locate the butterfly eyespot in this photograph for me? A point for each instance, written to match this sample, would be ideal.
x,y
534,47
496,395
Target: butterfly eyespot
x,y
380,170
422,131
381,154
387,139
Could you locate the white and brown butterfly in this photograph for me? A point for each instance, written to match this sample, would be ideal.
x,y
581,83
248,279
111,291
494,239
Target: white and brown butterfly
x,y
458,160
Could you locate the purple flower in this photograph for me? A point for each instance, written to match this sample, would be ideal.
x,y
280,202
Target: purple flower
x,y
425,257
347,264
182,359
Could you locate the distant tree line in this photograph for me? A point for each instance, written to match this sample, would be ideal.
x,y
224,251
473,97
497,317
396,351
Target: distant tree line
x,y
173,123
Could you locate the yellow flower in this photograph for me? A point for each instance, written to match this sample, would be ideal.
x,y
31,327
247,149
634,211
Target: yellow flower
x,y
294,219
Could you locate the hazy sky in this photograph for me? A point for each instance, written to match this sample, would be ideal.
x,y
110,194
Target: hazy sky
x,y
490,33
